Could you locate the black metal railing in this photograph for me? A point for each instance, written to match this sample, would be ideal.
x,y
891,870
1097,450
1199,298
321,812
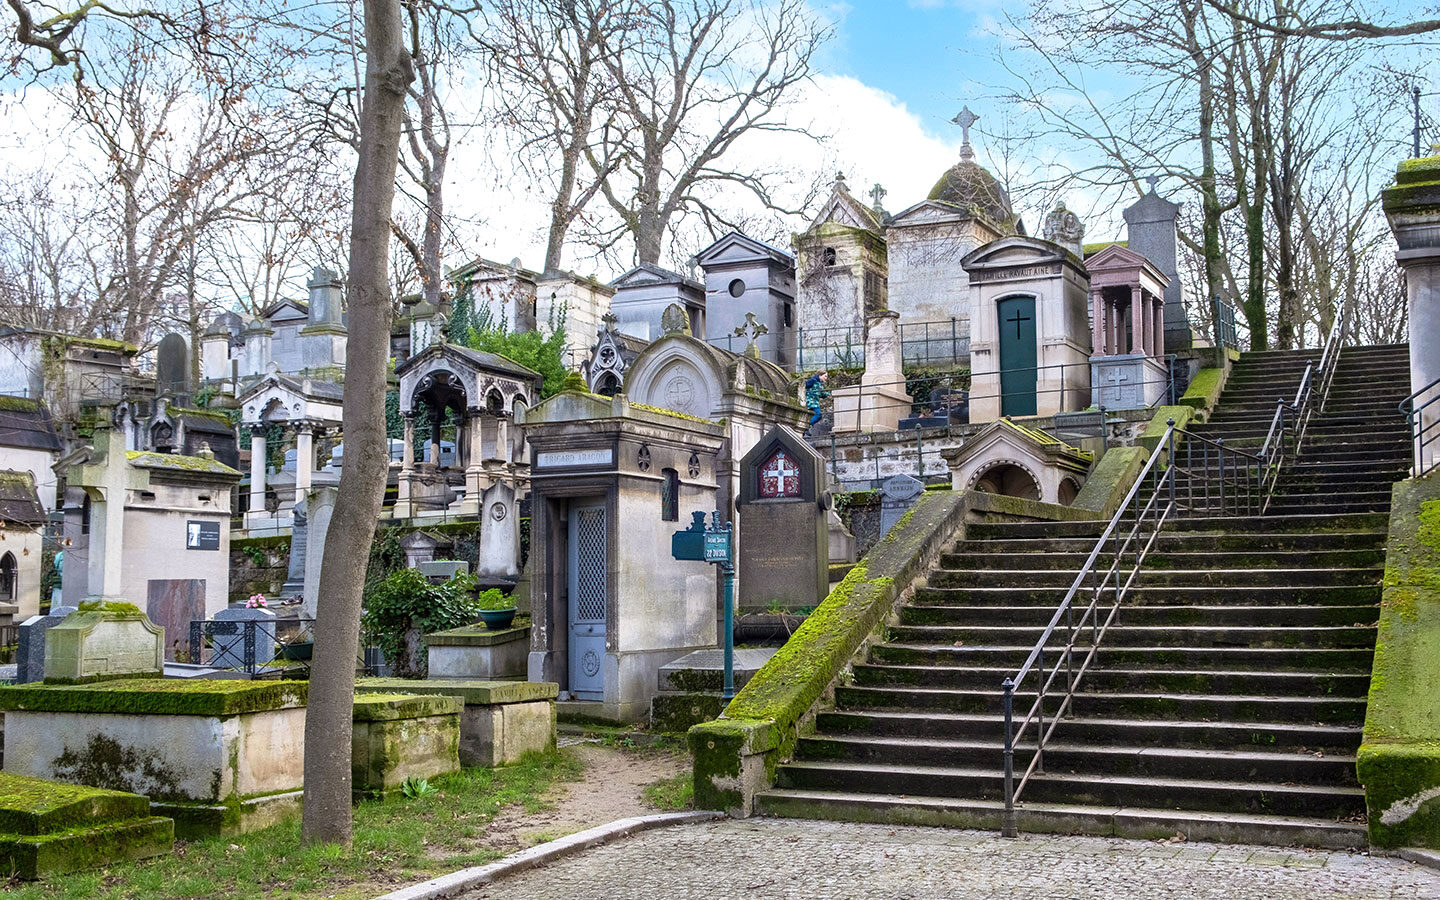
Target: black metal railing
x,y
1288,425
1424,420
1224,317
1218,480
254,646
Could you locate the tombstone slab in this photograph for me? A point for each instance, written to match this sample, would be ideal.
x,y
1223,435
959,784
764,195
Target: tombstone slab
x,y
228,643
104,640
499,534
320,507
897,494
784,557
30,656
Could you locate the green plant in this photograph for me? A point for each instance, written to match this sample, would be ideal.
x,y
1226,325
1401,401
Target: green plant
x,y
676,792
415,788
257,556
403,607
545,353
494,599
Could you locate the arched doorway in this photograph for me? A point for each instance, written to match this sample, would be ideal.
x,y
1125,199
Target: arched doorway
x,y
8,578
1009,480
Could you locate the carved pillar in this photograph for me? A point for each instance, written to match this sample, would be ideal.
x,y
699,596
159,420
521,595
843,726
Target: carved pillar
x,y
257,470
407,456
1139,339
1157,325
502,438
304,459
433,452
1097,322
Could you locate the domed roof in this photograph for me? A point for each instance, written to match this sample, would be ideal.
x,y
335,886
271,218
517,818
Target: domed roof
x,y
968,185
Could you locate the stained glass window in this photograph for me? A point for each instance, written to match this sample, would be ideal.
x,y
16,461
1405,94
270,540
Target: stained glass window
x,y
780,476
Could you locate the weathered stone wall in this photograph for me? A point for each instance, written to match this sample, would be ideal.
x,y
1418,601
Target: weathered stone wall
x,y
258,566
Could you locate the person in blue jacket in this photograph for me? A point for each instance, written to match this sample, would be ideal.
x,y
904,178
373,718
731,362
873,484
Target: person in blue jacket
x,y
814,393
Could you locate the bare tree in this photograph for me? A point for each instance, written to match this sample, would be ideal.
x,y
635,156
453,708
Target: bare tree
x,y
550,61
1335,24
696,77
327,817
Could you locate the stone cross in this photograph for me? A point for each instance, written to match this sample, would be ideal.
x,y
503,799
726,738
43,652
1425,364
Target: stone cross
x,y
1153,181
752,330
966,119
106,478
877,196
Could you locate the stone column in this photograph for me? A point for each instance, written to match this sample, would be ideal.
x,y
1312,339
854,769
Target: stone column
x,y
1157,325
1097,324
433,453
1116,323
257,470
407,455
304,460
105,481
502,438
1412,207
1139,322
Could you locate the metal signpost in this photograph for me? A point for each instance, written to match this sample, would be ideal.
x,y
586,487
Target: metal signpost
x,y
713,544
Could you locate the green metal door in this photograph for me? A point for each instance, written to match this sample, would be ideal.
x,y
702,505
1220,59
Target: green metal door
x,y
1017,356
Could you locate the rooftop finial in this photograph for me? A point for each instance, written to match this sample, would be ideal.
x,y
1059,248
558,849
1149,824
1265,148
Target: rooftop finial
x,y
965,120
840,179
877,197
1154,182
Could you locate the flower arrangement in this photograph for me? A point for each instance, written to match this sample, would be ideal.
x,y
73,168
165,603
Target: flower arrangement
x,y
257,601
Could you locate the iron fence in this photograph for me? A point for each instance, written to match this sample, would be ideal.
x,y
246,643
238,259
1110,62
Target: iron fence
x,y
254,646
1224,318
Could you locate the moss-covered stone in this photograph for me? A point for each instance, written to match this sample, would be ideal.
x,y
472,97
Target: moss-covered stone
x,y
470,692
1399,760
389,707
1111,480
676,713
157,696
1204,390
36,806
734,756
85,847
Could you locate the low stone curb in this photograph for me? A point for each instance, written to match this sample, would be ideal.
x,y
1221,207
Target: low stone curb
x,y
539,855
1420,857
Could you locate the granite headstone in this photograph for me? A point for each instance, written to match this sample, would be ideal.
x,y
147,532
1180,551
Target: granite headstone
x,y
172,366
897,495
227,637
30,656
784,549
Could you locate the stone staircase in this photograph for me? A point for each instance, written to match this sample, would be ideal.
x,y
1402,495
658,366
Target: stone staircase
x,y
1227,700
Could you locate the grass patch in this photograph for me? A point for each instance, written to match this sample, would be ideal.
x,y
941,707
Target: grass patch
x,y
397,841
673,793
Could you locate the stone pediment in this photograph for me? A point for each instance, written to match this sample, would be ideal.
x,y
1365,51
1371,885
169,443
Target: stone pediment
x,y
737,248
843,209
285,311
647,273
1018,257
1117,259
927,212
278,399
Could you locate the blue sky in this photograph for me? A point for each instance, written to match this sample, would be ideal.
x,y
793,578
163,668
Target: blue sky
x,y
922,52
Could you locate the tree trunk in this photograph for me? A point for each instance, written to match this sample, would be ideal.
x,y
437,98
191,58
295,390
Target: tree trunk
x,y
388,70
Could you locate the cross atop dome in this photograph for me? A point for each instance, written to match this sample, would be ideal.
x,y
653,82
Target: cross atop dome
x,y
965,120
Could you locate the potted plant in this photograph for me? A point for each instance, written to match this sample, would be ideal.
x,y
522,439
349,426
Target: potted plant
x,y
497,609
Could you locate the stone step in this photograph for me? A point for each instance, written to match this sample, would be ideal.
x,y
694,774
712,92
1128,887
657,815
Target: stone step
x,y
1281,736
1121,821
1228,577
1124,635
1112,680
1217,615
1063,754
1172,557
1270,524
1140,595
1276,798
1348,660
1317,540
1180,706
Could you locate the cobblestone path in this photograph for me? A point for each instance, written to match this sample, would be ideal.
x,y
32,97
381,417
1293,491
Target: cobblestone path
x,y
771,859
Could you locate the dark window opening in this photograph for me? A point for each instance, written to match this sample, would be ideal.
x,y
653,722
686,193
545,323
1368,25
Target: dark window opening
x,y
670,495
829,256
789,315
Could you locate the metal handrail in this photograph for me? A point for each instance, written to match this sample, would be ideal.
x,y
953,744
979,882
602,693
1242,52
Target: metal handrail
x,y
1238,477
1422,434
1288,426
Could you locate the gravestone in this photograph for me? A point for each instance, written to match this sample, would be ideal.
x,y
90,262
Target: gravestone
x,y
227,637
30,656
784,552
299,539
419,548
842,542
319,508
879,401
897,494
172,367
172,604
105,640
499,536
